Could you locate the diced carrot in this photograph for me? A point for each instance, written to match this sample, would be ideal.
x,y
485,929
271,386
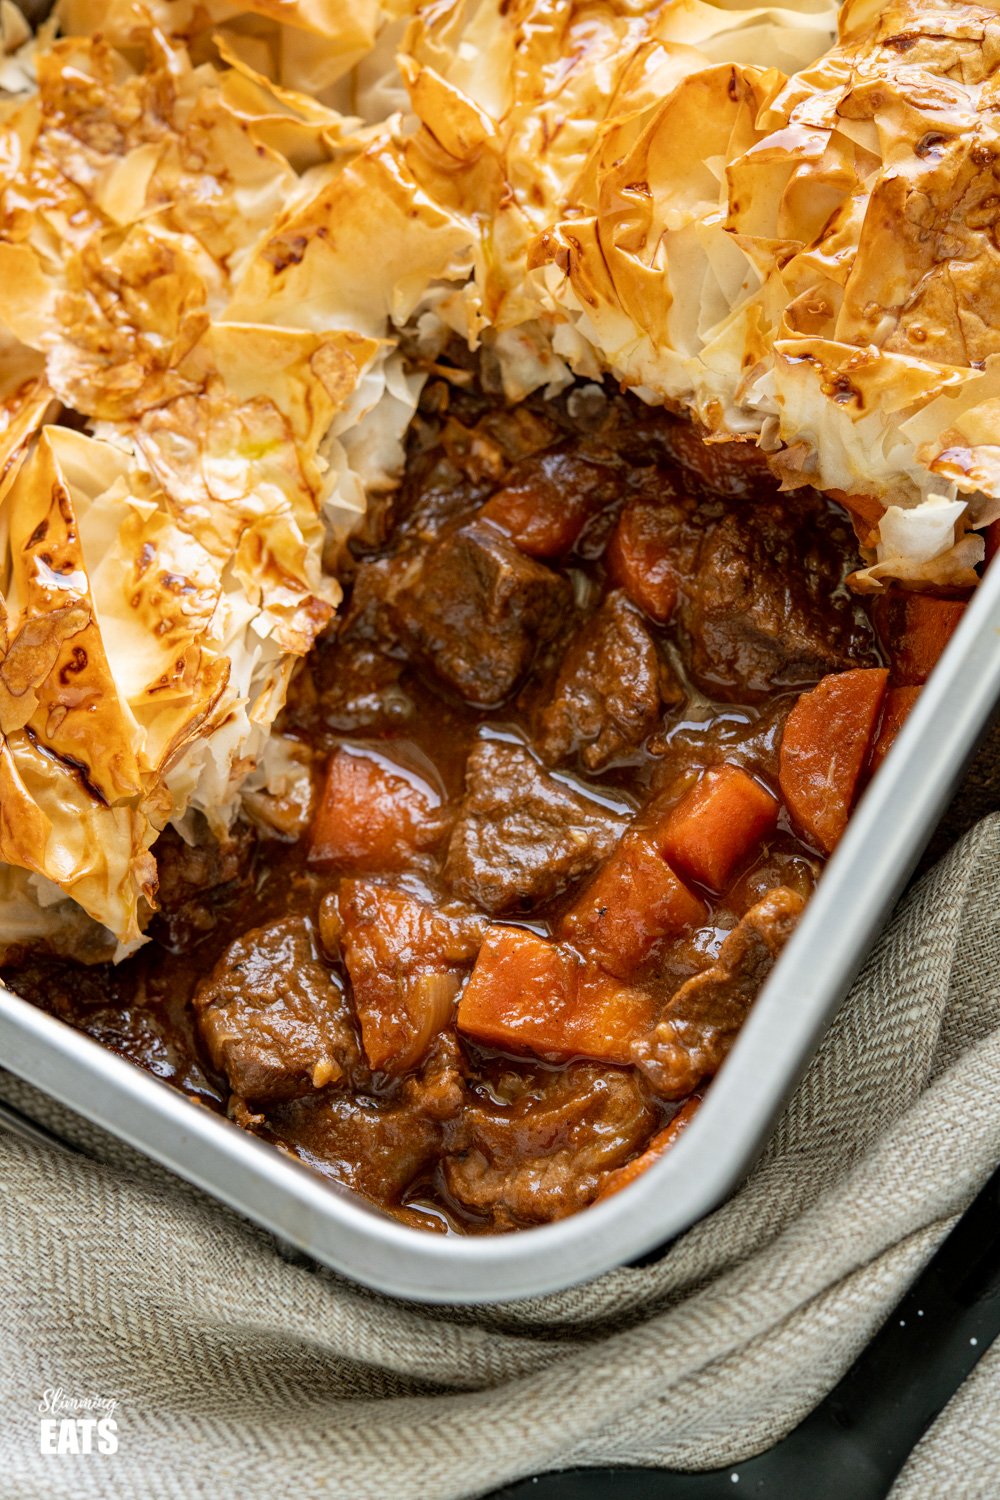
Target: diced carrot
x,y
713,829
544,529
895,712
528,994
658,1146
404,958
547,500
824,747
371,816
642,558
520,991
634,901
609,1017
915,628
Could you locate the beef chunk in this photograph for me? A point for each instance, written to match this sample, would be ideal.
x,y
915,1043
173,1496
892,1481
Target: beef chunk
x,y
543,1154
368,615
358,688
199,880
732,468
374,1146
203,865
447,488
609,690
137,1013
452,467
273,1017
761,611
476,609
66,989
377,1146
700,1023
547,499
351,679
521,836
438,1089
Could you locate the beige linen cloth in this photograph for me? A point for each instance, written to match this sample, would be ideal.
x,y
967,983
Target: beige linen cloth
x,y
237,1371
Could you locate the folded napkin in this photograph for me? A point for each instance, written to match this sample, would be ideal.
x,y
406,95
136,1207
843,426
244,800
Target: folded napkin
x,y
238,1370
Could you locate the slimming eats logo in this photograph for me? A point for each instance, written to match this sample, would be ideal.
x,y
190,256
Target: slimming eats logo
x,y
76,1424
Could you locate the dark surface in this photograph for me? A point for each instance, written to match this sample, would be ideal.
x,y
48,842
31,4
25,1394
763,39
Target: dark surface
x,y
856,1441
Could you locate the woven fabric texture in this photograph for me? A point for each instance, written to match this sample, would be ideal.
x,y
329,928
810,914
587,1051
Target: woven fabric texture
x,y
237,1368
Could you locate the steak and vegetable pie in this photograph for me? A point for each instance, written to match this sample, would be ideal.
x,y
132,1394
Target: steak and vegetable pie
x,y
570,761
481,490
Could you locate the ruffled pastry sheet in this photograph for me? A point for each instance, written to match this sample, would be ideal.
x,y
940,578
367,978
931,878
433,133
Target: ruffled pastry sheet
x,y
225,222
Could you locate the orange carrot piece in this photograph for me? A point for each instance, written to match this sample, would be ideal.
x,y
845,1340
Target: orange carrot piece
x,y
658,1146
895,712
610,1017
824,747
542,525
371,816
915,628
520,991
716,825
634,901
548,499
641,558
528,994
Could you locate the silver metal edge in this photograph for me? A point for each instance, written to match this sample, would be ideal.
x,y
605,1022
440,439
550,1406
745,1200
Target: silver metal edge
x,y
860,884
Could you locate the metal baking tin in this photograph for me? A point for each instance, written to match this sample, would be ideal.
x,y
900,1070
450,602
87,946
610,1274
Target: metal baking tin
x,y
883,841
